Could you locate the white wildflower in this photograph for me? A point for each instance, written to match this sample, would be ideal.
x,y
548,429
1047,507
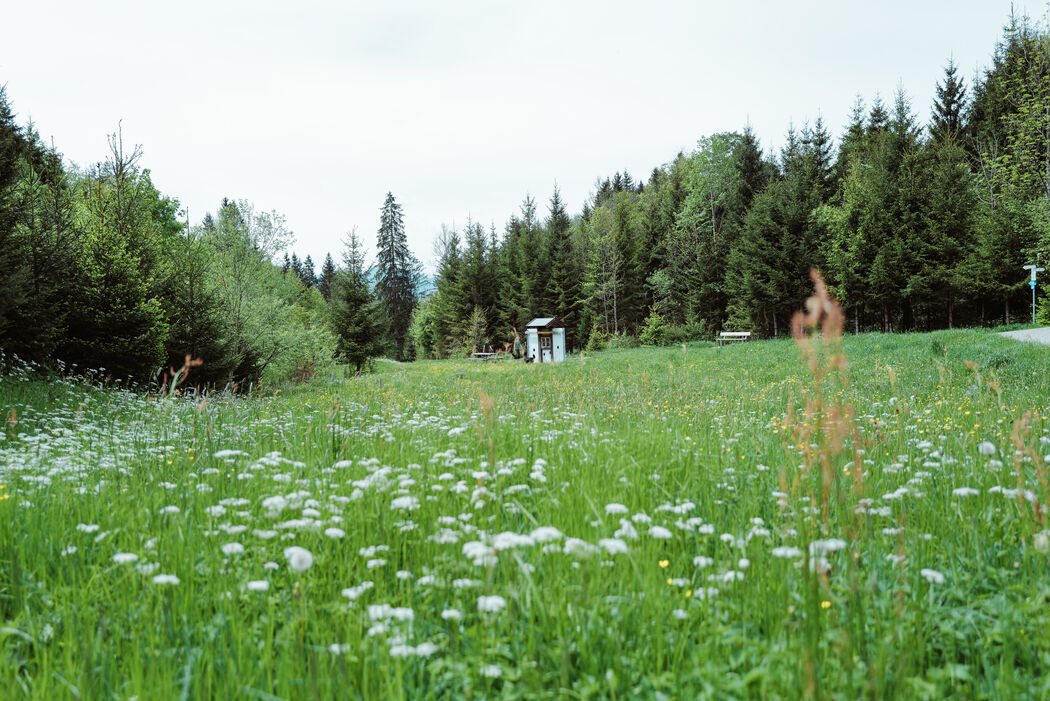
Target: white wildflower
x,y
932,576
613,546
660,532
299,559
829,545
491,604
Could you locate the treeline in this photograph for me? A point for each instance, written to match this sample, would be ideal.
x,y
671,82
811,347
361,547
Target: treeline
x,y
915,225
100,273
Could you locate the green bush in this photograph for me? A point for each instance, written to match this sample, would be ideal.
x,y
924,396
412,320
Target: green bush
x,y
598,339
622,340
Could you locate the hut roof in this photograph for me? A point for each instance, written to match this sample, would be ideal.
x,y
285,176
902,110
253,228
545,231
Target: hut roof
x,y
545,323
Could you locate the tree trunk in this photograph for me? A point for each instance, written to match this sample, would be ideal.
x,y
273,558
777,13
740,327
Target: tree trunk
x,y
951,308
1006,310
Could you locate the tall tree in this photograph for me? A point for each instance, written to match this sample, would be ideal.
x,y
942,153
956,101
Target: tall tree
x,y
307,274
396,271
563,286
357,317
324,280
704,223
949,107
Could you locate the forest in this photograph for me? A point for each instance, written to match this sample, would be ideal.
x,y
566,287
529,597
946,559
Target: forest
x,y
916,223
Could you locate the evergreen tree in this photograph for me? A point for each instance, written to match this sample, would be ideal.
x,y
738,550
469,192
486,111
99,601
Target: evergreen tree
x,y
357,317
878,117
396,270
949,106
116,323
851,143
324,281
44,242
11,270
197,326
563,285
450,303
307,272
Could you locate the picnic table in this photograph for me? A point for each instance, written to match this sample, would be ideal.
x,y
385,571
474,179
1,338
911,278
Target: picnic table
x,y
727,336
485,356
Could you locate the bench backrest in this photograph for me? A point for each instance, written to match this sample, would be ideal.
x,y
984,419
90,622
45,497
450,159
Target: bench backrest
x,y
735,334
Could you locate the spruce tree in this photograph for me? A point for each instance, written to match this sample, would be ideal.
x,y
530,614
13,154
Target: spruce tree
x,y
396,270
563,286
45,242
356,316
324,280
12,271
307,272
949,106
197,326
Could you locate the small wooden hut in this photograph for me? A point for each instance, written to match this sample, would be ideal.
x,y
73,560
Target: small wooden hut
x,y
545,341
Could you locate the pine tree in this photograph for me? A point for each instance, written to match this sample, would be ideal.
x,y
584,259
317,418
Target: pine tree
x,y
356,316
197,326
563,286
296,266
878,117
324,281
450,303
851,142
949,106
307,272
12,272
44,243
115,322
396,270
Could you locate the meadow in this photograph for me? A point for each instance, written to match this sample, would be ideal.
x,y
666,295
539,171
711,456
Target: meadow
x,y
680,522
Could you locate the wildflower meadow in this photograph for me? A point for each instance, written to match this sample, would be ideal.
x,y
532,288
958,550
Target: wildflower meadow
x,y
771,519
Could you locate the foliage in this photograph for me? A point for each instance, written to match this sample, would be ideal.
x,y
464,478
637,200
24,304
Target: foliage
x,y
396,271
357,317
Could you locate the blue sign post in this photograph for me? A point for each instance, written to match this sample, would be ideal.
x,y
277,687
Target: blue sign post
x,y
1031,283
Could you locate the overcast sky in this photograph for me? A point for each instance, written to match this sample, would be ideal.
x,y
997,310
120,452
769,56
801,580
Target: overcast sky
x,y
317,109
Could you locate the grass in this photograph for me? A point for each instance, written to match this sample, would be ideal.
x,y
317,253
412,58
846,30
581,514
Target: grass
x,y
775,581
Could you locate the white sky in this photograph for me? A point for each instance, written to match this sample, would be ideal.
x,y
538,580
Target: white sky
x,y
317,109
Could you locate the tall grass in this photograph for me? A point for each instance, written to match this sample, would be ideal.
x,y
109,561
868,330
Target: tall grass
x,y
684,522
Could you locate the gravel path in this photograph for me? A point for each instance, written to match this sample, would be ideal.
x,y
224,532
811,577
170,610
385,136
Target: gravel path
x,y
1041,335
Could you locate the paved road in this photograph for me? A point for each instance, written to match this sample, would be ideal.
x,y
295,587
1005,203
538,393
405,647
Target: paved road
x,y
1041,335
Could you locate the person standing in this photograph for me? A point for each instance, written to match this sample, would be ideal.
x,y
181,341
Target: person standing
x,y
516,344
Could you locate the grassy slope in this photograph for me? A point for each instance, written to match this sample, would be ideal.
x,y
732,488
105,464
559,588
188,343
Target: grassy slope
x,y
650,429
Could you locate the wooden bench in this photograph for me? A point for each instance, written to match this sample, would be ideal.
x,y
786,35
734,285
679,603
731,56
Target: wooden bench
x,y
727,336
486,356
